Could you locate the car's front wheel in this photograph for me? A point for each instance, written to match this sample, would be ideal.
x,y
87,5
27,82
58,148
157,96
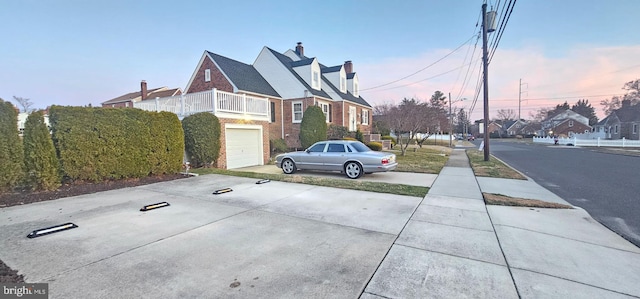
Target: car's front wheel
x,y
353,170
288,166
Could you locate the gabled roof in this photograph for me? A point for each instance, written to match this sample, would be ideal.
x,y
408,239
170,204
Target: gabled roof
x,y
347,96
133,96
307,61
332,69
243,76
286,61
350,75
628,113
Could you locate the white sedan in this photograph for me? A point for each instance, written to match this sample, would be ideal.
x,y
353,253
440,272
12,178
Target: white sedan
x,y
352,158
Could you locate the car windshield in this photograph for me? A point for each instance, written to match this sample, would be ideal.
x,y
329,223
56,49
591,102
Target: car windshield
x,y
360,147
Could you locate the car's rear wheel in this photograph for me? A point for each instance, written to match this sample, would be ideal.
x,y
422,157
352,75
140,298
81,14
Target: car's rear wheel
x,y
353,170
288,166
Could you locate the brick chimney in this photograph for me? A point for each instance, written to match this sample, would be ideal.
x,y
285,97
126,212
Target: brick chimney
x,y
143,90
348,67
300,49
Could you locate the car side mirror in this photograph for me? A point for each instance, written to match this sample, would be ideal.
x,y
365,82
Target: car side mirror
x,y
307,150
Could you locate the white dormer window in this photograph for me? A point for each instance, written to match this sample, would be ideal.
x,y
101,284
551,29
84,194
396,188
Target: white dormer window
x,y
355,89
343,84
570,123
316,80
207,75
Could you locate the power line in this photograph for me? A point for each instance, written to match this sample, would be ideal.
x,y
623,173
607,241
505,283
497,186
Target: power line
x,y
420,70
502,27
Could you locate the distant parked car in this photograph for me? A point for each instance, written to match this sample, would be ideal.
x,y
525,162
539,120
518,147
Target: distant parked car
x,y
352,158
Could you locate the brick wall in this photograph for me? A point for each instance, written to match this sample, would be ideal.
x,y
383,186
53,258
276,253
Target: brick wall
x,y
217,79
275,128
292,130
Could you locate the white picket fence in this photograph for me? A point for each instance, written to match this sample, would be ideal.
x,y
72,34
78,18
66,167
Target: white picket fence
x,y
222,104
589,142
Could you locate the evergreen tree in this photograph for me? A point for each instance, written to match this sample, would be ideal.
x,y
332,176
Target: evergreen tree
x,y
585,109
201,138
11,155
41,162
313,127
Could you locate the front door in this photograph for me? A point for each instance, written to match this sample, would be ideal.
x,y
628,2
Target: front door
x,y
352,119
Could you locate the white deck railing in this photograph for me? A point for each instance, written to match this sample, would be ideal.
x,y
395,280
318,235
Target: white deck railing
x,y
589,142
222,104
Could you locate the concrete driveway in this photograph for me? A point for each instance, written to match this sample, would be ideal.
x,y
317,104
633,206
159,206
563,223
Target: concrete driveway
x,y
392,177
275,240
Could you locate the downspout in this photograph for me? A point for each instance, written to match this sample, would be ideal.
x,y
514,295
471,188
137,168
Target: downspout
x,y
282,117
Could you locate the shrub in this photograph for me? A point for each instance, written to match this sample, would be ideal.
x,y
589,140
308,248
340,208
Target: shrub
x,y
337,132
167,143
278,145
376,146
313,127
40,159
94,144
387,137
11,154
350,139
201,138
359,136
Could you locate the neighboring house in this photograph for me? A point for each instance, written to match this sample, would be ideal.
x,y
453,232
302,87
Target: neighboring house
x,y
621,123
565,123
289,82
495,128
514,127
531,129
22,119
128,99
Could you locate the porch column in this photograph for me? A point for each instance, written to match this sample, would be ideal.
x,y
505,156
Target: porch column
x,y
214,100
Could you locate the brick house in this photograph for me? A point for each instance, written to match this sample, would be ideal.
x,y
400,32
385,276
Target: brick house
x,y
621,123
128,99
565,123
290,82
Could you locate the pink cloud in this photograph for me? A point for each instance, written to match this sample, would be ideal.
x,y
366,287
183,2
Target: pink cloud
x,y
593,73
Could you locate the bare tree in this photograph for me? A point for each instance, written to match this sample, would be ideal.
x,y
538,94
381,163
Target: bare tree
x,y
632,95
408,119
507,114
25,103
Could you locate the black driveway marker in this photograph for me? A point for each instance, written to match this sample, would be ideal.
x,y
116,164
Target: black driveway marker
x,y
263,181
50,230
155,206
221,191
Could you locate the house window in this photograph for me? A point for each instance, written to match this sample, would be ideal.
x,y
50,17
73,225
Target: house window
x,y
365,117
316,79
355,89
126,104
326,109
615,129
570,123
343,84
635,128
207,75
297,112
273,112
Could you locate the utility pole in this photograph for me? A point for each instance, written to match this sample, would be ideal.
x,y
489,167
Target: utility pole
x,y
450,122
485,65
520,98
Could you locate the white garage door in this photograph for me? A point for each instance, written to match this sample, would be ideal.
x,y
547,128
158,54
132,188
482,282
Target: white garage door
x,y
244,146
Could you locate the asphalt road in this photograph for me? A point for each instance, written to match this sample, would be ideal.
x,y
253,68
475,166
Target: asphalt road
x,y
606,185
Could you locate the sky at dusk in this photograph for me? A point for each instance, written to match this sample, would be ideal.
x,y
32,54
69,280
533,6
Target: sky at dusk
x,y
77,52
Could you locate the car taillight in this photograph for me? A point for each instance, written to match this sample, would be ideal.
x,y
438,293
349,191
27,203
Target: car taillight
x,y
385,161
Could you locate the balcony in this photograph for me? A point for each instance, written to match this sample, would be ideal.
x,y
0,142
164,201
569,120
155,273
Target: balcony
x,y
221,104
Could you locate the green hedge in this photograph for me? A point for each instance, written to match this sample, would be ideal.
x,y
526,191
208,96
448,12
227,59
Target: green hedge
x,y
95,144
387,137
11,154
202,139
278,145
40,160
376,146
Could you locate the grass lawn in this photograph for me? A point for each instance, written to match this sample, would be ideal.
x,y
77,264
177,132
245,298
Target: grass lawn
x,y
492,168
428,159
326,182
503,200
